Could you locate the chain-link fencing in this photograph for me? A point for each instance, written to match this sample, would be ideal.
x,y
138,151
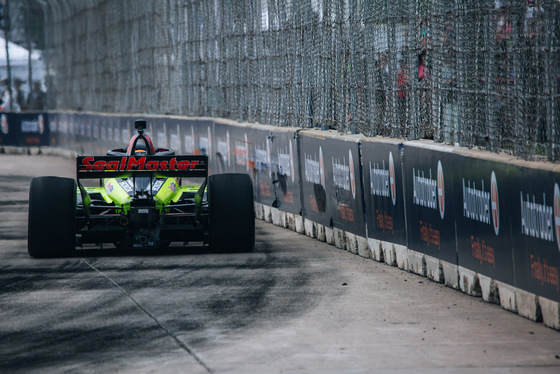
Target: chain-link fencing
x,y
475,73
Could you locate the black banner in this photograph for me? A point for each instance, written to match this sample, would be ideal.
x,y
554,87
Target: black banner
x,y
112,134
429,202
221,159
53,127
25,129
71,132
240,150
58,136
193,137
34,129
383,191
482,213
158,129
9,129
331,183
275,172
173,128
81,136
535,224
268,155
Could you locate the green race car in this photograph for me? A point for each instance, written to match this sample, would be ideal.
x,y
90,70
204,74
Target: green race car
x,y
146,198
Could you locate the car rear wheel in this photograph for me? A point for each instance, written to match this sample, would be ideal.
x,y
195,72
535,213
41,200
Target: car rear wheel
x,y
231,213
51,223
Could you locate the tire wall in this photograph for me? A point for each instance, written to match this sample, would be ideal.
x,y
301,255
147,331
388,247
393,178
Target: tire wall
x,y
477,221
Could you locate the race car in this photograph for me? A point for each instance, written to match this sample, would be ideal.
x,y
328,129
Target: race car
x,y
146,198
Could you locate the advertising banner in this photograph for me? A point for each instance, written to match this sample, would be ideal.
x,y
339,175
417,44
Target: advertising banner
x,y
77,133
111,134
82,133
53,127
332,183
123,130
60,130
429,202
383,191
34,129
482,213
91,143
275,171
194,136
240,150
182,135
173,129
159,129
535,215
221,159
9,129
268,155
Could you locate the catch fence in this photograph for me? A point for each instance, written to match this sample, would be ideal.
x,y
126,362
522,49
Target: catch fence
x,y
474,73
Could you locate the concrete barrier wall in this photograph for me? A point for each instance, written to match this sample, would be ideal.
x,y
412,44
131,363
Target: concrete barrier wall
x,y
482,223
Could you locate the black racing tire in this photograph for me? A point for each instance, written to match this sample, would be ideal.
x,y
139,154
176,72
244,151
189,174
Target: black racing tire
x,y
231,213
51,230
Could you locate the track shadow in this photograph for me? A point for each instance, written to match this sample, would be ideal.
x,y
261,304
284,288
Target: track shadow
x,y
86,312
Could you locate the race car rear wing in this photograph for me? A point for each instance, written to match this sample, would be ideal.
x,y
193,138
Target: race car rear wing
x,y
191,166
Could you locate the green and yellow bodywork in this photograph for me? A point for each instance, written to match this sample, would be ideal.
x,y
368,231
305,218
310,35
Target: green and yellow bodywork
x,y
112,192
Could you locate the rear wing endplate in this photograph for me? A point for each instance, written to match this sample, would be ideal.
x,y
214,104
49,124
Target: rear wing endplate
x,y
191,166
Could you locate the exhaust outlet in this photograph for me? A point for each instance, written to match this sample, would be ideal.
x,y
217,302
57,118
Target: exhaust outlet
x,y
124,221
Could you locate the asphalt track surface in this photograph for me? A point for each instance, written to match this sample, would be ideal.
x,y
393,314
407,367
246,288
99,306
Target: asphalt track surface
x,y
294,305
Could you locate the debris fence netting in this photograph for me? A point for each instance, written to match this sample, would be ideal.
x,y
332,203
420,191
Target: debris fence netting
x,y
474,73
